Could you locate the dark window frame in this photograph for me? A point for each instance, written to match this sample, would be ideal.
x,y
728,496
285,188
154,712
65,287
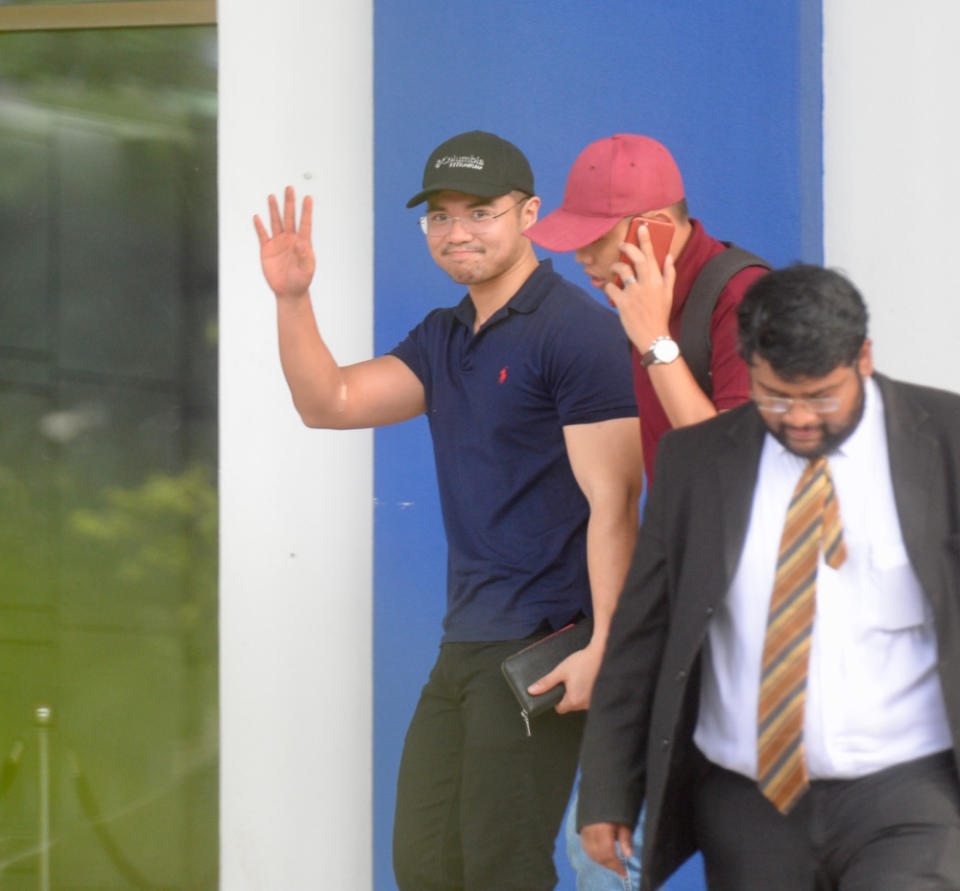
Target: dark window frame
x,y
131,14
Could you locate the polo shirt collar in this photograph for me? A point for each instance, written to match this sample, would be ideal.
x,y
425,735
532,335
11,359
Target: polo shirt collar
x,y
526,300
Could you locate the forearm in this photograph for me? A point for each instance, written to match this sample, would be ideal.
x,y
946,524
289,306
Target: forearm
x,y
611,535
607,462
680,396
314,378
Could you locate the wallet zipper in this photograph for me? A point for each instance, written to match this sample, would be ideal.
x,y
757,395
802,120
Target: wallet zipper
x,y
526,720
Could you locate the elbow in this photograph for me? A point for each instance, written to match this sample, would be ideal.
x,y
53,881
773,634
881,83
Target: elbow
x,y
312,421
323,421
314,416
322,410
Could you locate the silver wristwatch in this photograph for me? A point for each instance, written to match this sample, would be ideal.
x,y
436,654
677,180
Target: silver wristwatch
x,y
662,351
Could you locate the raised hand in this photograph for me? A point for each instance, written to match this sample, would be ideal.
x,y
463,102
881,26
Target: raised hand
x,y
286,254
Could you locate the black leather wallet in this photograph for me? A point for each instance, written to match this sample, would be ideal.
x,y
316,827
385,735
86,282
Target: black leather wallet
x,y
531,663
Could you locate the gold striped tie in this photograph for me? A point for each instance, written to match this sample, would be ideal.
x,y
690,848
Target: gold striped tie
x,y
813,522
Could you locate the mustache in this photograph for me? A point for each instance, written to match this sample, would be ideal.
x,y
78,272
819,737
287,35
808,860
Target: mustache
x,y
457,248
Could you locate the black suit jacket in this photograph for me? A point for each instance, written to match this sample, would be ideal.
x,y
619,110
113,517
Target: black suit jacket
x,y
639,737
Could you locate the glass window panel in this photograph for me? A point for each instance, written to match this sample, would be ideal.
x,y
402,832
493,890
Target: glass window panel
x,y
108,459
24,185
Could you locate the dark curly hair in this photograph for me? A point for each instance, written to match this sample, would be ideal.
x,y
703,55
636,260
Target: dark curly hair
x,y
804,320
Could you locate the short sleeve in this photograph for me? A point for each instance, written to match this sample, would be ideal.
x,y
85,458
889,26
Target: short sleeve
x,y
589,368
412,349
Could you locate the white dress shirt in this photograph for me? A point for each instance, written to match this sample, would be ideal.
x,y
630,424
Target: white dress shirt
x,y
873,693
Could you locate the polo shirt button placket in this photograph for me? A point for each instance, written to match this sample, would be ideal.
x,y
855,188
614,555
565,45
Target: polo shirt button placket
x,y
466,357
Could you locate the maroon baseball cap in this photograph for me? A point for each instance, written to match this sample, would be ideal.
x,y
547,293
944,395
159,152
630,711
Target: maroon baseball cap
x,y
613,178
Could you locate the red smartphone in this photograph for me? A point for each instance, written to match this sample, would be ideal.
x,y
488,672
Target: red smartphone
x,y
661,234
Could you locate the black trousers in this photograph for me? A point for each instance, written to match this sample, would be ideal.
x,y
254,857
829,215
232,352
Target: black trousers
x,y
479,803
894,830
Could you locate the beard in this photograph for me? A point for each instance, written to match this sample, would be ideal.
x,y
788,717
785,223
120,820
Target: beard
x,y
830,440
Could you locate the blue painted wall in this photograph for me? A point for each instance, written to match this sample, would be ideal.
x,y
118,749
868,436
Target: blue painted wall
x,y
732,89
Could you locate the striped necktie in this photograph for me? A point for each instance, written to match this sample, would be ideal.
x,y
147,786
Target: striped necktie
x,y
812,523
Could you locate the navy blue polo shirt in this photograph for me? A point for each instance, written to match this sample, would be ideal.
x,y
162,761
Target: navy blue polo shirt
x,y
497,402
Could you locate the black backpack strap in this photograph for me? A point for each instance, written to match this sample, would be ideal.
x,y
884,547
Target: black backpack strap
x,y
694,340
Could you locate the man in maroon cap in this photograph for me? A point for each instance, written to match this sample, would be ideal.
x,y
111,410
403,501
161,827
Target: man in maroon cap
x,y
612,181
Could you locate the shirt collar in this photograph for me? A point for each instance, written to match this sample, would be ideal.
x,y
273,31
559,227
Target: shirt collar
x,y
692,258
857,444
528,297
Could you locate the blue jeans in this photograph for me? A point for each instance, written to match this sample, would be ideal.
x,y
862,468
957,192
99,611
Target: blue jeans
x,y
591,876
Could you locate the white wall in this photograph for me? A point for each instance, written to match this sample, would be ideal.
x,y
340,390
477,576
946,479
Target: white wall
x,y
891,178
296,505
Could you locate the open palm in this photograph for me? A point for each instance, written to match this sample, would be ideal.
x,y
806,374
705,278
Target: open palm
x,y
286,253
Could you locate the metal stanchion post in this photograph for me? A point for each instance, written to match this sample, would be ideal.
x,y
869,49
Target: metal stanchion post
x,y
43,715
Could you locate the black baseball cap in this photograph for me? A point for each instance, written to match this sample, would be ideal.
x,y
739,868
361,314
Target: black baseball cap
x,y
475,163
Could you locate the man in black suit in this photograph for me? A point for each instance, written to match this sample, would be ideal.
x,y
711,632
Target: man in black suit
x,y
780,682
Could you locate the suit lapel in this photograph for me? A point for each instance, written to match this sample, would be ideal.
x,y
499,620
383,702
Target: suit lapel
x,y
913,469
736,465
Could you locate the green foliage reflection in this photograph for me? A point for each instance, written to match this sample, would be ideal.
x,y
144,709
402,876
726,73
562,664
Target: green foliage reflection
x,y
157,534
108,502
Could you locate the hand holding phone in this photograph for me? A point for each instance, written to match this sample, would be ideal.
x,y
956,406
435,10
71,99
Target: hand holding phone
x,y
661,234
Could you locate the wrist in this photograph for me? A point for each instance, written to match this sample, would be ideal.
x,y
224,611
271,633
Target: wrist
x,y
598,641
292,296
662,351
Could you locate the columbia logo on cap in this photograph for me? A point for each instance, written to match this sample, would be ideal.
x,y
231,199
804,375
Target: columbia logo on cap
x,y
474,162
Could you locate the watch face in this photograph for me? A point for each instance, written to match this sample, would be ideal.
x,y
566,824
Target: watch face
x,y
665,351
